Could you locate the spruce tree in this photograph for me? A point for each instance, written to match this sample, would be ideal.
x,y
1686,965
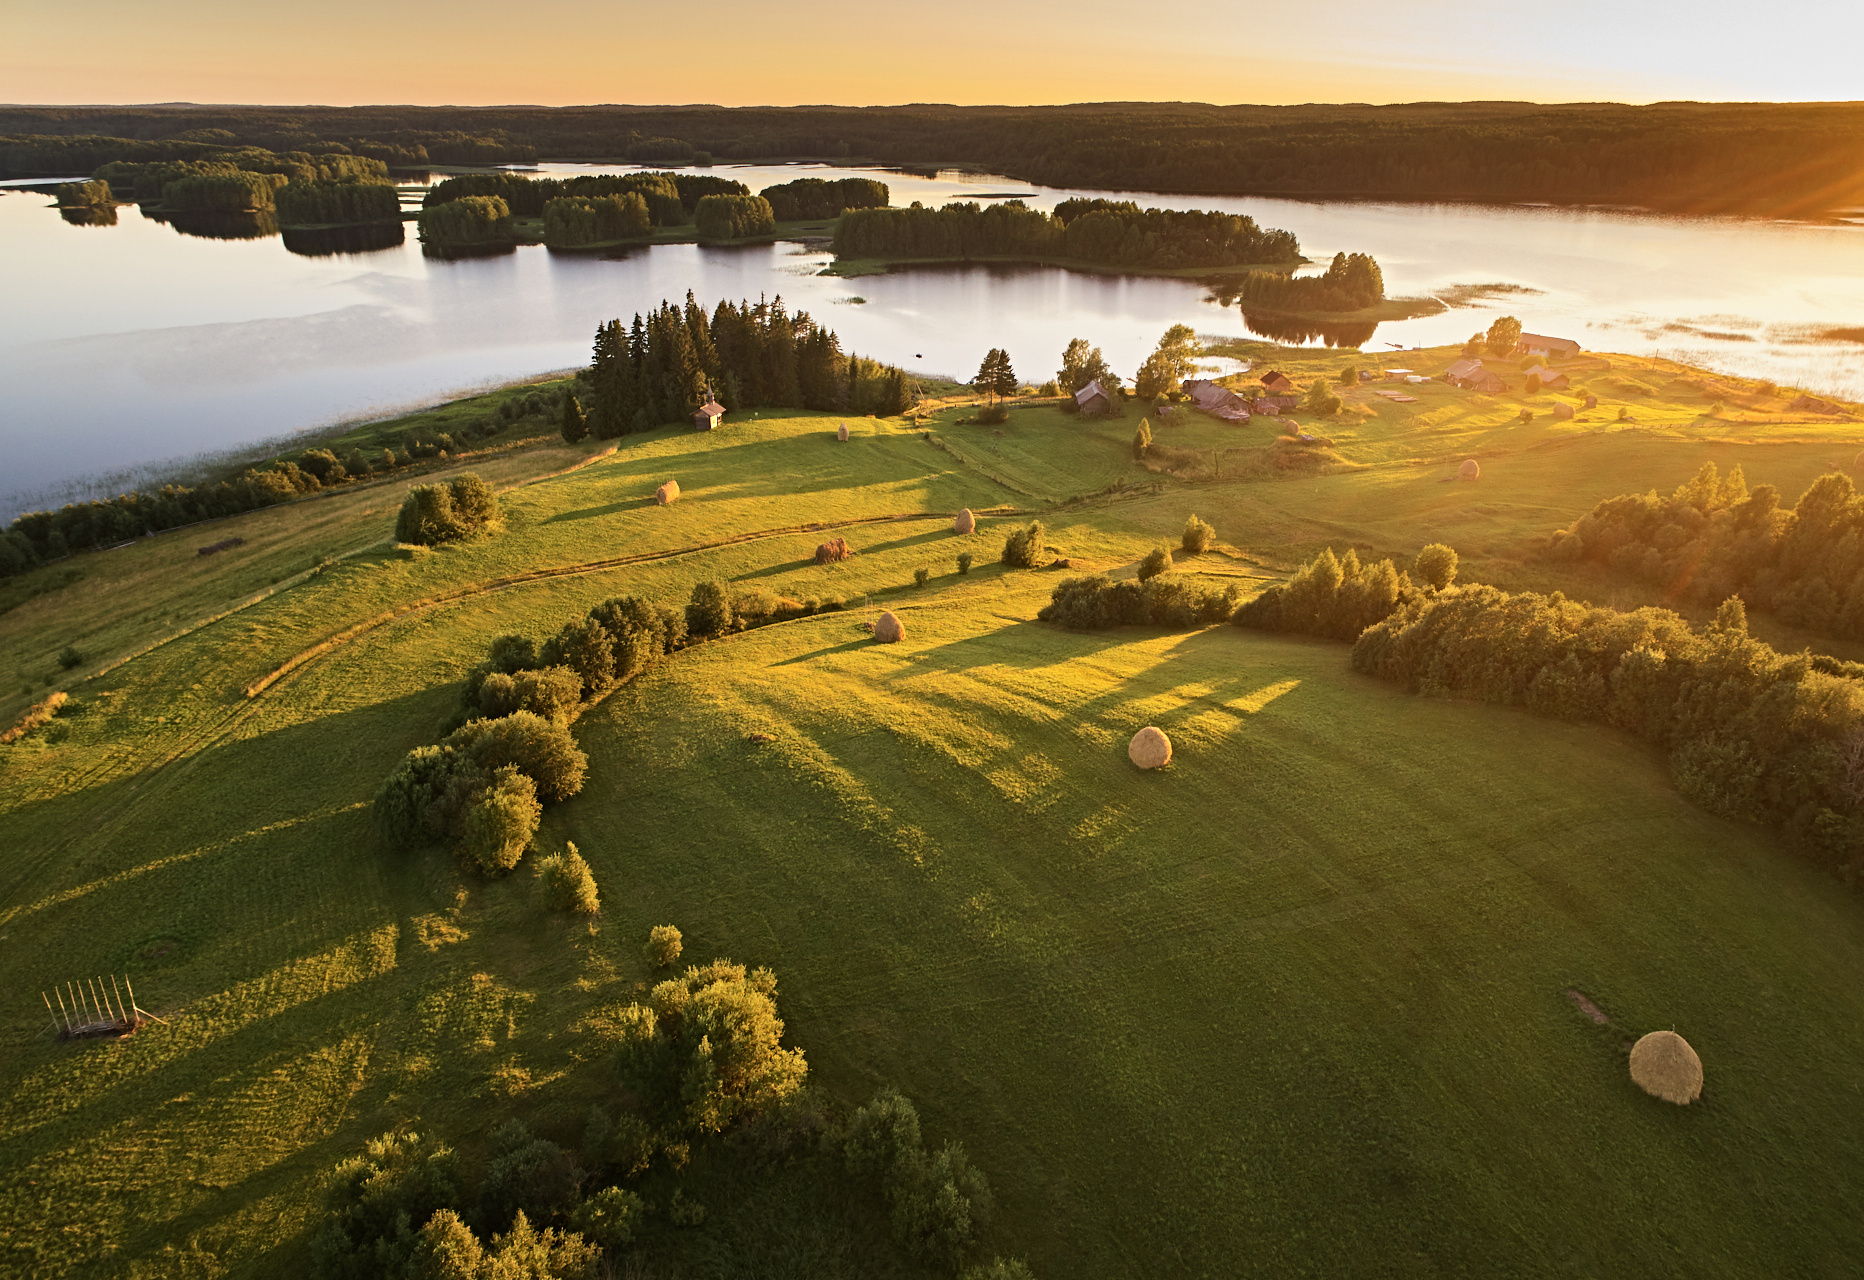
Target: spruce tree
x,y
574,427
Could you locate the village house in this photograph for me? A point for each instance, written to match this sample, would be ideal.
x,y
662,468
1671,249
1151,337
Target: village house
x,y
1549,380
1471,376
1462,369
1273,405
1276,382
709,414
1535,344
1218,401
1092,399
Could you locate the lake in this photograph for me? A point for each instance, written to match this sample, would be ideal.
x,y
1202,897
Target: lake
x,y
130,345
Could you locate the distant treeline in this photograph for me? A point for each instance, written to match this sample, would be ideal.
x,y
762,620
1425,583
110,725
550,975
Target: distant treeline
x,y
234,192
671,198
1713,538
816,198
1100,231
1351,282
1698,157
147,178
748,356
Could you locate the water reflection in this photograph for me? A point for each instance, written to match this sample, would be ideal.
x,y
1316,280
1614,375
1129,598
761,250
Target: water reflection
x,y
330,242
218,226
1297,332
461,252
98,216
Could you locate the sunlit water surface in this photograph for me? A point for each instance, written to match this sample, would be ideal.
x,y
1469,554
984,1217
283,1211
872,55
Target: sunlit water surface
x,y
130,344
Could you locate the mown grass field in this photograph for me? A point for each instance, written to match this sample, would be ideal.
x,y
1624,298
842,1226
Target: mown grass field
x,y
1295,1006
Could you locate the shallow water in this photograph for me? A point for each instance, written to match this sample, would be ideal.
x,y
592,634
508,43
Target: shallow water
x,y
129,344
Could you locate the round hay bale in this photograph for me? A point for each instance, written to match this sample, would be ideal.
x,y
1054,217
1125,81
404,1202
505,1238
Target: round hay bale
x,y
1562,411
966,522
842,435
1469,470
1858,461
1592,402
1664,1066
889,629
1150,748
668,492
834,551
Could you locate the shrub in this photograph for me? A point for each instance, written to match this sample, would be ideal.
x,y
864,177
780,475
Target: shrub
x,y
573,426
1142,439
542,749
610,1217
710,613
435,513
939,1202
1023,549
448,1250
1089,604
377,1201
707,1051
1435,566
1533,384
1157,561
1527,416
964,562
640,632
1197,536
69,657
663,945
1329,597
1624,414
497,823
880,1136
528,1175
920,577
999,1269
1349,376
993,415
407,805
585,647
568,883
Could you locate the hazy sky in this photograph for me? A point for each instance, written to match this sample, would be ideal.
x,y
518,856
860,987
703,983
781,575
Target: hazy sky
x,y
746,52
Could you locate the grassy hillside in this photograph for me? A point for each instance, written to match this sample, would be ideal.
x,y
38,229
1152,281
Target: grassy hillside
x,y
1297,1004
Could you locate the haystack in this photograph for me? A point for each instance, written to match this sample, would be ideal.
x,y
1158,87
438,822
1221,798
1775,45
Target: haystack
x,y
1664,1066
1469,470
889,629
834,551
1562,411
1592,402
965,522
1150,748
842,435
668,492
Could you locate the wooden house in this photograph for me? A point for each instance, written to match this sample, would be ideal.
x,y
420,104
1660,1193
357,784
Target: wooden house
x,y
1276,382
1216,400
1537,344
1549,380
1092,399
709,414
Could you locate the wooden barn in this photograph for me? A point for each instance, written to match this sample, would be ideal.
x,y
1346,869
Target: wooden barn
x,y
1092,399
1538,344
709,414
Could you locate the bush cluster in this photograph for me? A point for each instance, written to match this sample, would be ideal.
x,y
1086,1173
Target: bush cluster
x,y
1091,604
663,945
817,198
1197,536
939,1202
466,223
715,611
1750,733
1330,596
733,217
446,512
568,883
705,1050
1713,538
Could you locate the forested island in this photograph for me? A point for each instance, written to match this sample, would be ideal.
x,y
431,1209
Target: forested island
x,y
1773,158
1094,233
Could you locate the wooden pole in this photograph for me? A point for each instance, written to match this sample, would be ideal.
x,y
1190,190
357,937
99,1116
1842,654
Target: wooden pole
x,y
61,1009
75,1004
95,1007
140,1012
119,995
48,1009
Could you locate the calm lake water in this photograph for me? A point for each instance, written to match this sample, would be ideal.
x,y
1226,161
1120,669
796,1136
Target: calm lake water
x,y
129,345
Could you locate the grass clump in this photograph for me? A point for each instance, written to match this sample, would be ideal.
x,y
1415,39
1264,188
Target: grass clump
x,y
568,883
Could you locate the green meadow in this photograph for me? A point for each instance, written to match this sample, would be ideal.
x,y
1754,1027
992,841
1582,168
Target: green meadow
x,y
1301,1004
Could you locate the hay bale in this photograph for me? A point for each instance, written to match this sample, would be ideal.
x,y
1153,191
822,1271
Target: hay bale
x,y
1592,402
842,435
1664,1066
1150,748
965,522
1469,470
668,492
889,629
1562,411
834,551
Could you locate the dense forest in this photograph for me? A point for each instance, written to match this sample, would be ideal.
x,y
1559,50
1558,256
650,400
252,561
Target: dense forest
x,y
1713,538
1777,158
471,222
1101,231
311,203
751,355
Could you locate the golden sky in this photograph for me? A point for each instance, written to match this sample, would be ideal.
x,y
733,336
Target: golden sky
x,y
737,52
